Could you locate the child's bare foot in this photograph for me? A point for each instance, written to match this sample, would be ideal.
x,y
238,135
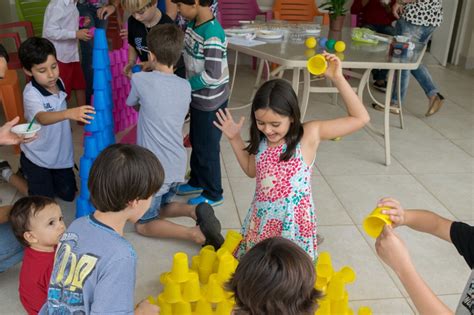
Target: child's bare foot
x,y
196,235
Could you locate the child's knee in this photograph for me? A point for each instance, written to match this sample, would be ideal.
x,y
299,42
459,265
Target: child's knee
x,y
141,228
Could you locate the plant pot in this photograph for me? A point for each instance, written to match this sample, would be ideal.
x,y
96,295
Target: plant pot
x,y
336,23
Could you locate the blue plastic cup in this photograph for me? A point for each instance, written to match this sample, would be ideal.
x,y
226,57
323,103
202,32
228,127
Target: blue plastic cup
x,y
85,194
100,79
98,59
100,100
85,167
93,126
100,39
136,68
108,74
90,147
99,138
83,207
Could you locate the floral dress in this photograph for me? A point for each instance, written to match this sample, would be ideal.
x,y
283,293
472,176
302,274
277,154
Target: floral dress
x,y
283,203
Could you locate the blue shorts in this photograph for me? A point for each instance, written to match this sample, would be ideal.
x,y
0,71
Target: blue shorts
x,y
160,199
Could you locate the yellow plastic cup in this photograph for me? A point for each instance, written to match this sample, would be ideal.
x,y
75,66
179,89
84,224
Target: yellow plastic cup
x,y
317,64
324,307
215,292
226,268
232,240
364,310
206,258
180,269
182,308
203,307
336,288
172,291
152,300
373,224
163,277
321,284
348,274
191,288
165,308
324,265
195,263
224,308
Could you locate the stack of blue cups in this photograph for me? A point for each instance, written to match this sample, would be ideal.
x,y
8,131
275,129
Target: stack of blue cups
x,y
100,131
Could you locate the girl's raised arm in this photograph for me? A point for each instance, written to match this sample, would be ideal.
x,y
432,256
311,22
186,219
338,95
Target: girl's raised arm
x,y
231,130
358,116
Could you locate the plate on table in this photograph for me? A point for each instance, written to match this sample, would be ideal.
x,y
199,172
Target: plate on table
x,y
240,32
268,34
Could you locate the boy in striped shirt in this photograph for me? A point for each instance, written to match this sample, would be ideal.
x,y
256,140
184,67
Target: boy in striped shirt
x,y
205,57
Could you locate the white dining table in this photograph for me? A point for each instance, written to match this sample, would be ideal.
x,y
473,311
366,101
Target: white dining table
x,y
293,55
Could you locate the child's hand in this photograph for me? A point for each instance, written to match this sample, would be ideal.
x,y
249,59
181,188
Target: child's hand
x,y
127,71
105,11
124,33
392,250
81,113
146,308
147,66
396,213
227,125
83,34
334,70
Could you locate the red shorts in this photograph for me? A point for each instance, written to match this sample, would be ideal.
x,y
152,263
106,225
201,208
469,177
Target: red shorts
x,y
72,76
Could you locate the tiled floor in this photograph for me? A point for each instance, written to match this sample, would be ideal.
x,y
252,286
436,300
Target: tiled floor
x,y
432,168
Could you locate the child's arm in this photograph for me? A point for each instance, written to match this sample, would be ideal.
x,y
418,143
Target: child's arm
x,y
419,220
132,58
394,253
358,116
145,308
54,30
231,130
80,113
214,51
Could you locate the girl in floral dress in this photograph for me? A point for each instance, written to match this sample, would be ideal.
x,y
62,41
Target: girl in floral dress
x,y
281,154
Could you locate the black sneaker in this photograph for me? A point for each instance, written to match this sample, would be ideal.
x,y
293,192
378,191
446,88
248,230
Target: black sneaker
x,y
382,87
209,225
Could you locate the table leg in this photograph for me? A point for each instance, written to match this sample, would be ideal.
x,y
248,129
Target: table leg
x,y
388,98
296,79
306,88
399,91
233,75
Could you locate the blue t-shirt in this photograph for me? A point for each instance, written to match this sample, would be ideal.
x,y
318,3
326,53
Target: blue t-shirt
x,y
94,271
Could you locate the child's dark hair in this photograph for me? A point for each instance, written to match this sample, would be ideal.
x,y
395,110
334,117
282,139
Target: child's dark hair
x,y
202,3
35,51
166,42
277,95
23,210
275,277
123,173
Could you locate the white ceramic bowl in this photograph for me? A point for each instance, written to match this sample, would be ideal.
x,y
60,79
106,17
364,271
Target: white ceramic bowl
x,y
21,130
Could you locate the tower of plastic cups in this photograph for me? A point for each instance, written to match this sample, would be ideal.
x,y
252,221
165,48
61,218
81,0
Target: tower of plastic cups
x,y
333,286
199,289
100,132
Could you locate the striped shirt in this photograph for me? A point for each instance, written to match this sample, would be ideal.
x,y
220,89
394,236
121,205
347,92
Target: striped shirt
x,y
205,57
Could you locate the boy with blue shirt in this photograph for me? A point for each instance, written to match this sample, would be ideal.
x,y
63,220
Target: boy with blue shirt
x,y
205,57
47,162
162,99
95,266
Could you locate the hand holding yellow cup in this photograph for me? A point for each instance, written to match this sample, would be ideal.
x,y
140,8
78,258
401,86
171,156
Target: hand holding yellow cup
x,y
317,64
373,224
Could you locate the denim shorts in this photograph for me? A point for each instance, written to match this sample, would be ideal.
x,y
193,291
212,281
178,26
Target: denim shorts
x,y
160,199
11,251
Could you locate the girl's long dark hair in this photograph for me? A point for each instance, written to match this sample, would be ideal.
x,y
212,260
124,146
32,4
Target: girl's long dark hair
x,y
277,95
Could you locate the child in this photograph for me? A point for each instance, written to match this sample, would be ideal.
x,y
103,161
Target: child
x,y
61,27
275,277
281,155
47,162
145,15
94,268
205,57
394,253
155,93
37,223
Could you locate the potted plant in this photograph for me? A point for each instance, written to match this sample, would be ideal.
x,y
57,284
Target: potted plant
x,y
337,13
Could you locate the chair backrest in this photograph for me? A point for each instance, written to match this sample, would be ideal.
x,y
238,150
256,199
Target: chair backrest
x,y
22,24
296,10
233,11
33,11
